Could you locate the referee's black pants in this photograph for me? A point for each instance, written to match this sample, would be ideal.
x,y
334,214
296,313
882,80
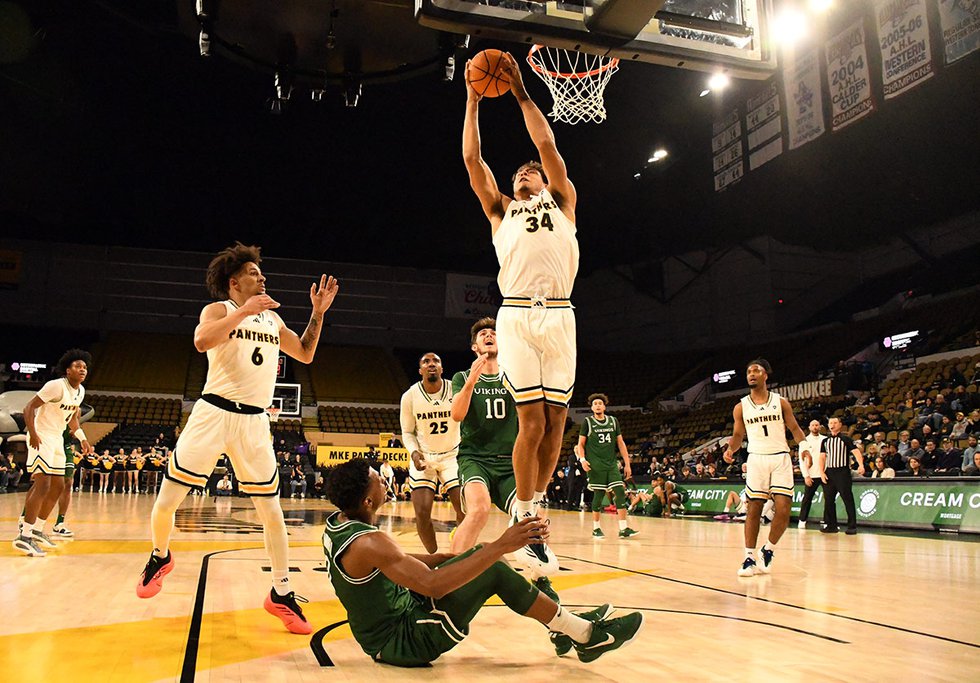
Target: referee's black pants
x,y
808,493
838,481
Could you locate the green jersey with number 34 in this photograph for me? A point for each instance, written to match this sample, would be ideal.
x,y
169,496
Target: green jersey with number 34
x,y
600,440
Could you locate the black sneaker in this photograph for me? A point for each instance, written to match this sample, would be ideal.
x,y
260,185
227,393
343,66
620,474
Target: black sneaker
x,y
563,643
829,530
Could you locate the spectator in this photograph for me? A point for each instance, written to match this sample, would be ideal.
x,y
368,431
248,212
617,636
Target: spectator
x,y
931,456
556,490
683,476
879,441
915,468
393,442
297,479
5,467
948,460
387,476
224,486
960,428
893,459
711,471
915,451
699,472
903,442
969,451
881,470
973,470
577,479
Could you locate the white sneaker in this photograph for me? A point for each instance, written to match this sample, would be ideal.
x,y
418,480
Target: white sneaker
x,y
27,546
61,531
748,567
537,557
43,540
801,525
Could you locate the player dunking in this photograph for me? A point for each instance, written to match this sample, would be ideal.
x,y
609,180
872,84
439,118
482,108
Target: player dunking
x,y
432,439
242,336
534,237
765,416
45,417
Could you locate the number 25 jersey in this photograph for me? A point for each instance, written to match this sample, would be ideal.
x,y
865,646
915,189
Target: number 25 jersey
x,y
243,367
426,420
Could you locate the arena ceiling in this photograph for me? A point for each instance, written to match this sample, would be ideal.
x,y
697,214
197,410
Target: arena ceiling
x,y
117,131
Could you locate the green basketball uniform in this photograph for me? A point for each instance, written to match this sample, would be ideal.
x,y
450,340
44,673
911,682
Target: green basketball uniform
x,y
396,626
601,448
682,492
487,436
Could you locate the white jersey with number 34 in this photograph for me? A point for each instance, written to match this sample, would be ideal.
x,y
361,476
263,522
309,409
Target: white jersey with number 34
x,y
243,367
764,425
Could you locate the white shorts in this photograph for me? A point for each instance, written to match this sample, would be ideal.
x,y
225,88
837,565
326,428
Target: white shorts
x,y
769,473
537,352
246,440
440,469
50,458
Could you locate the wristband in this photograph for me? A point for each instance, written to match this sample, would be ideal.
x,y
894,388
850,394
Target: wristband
x,y
80,435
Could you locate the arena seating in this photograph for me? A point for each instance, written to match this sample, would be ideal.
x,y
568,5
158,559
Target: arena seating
x,y
136,410
356,374
144,363
358,420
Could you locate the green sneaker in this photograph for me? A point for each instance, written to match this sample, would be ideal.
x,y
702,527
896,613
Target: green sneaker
x,y
609,635
543,584
563,643
627,532
598,535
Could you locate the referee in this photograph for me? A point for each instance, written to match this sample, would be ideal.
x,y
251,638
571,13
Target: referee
x,y
837,447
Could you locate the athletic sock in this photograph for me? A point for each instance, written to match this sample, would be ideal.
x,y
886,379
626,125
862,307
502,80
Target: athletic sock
x,y
622,524
750,553
28,530
280,582
39,525
162,554
523,508
596,525
769,545
575,627
538,499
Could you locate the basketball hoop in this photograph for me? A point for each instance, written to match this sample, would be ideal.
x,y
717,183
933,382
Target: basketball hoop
x,y
576,81
273,413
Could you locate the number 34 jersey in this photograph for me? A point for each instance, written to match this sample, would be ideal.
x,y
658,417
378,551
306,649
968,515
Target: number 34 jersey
x,y
426,421
243,367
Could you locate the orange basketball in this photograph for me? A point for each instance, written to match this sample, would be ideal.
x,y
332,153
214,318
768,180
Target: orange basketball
x,y
486,76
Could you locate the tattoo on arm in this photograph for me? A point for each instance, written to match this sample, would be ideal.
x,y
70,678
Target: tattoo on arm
x,y
312,333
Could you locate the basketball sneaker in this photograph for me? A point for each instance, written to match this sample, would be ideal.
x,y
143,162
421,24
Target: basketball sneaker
x,y
61,531
537,557
43,540
287,608
627,532
609,635
563,643
598,535
801,525
28,546
543,584
151,580
765,565
748,567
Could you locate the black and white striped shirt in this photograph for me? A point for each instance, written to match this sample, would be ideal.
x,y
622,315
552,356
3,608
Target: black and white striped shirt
x,y
838,449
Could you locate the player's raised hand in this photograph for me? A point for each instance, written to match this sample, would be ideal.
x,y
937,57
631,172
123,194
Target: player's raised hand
x,y
322,297
471,93
478,364
258,303
528,530
509,66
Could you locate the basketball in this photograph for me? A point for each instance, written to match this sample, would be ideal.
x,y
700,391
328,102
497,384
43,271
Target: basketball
x,y
486,76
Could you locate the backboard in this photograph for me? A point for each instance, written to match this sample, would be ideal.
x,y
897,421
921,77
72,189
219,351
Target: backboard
x,y
705,35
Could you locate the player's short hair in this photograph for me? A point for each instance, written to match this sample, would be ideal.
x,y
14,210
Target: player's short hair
x,y
228,262
656,475
69,357
601,397
426,354
762,363
536,165
348,482
487,323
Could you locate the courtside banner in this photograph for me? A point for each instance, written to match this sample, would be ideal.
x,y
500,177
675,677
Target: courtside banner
x,y
848,76
804,98
470,296
903,36
960,23
334,455
901,503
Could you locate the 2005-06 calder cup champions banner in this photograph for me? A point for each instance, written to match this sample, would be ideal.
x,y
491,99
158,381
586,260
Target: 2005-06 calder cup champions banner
x,y
903,36
849,76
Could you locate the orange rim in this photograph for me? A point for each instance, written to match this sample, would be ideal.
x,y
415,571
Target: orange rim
x,y
613,61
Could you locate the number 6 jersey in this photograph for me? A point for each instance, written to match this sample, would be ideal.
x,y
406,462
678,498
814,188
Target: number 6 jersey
x,y
243,367
426,422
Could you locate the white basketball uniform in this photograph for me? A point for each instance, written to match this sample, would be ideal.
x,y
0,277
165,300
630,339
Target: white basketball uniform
x,y
538,255
230,416
814,442
769,466
61,402
428,427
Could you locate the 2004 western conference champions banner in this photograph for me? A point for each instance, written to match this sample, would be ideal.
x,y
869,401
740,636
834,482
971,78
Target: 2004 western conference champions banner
x,y
960,22
849,76
903,36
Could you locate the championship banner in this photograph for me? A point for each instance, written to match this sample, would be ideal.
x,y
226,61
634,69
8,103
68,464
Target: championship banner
x,y
334,455
726,146
471,296
804,97
903,36
764,125
960,23
849,77
952,506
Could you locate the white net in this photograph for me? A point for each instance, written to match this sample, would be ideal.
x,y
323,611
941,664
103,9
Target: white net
x,y
273,413
576,80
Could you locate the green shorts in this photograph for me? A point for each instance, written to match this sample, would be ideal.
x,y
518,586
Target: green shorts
x,y
497,474
604,478
653,508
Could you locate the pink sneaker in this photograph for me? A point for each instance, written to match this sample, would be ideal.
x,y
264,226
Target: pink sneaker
x,y
287,608
151,580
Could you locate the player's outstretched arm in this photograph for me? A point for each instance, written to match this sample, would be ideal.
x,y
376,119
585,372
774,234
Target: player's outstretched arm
x,y
216,323
304,348
543,138
379,550
481,177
